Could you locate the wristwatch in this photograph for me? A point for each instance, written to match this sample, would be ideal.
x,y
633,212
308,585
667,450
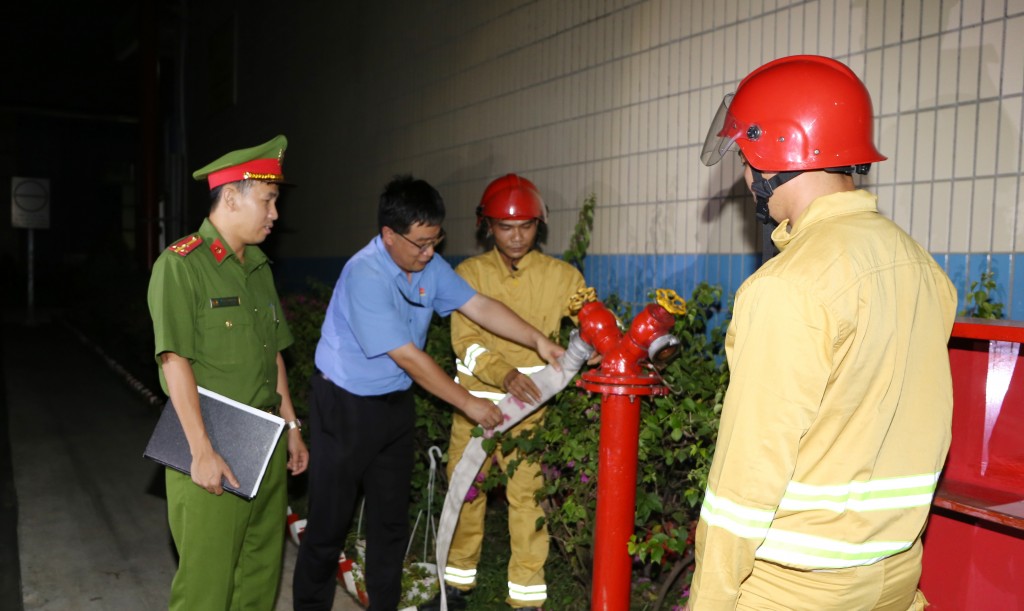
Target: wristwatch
x,y
294,424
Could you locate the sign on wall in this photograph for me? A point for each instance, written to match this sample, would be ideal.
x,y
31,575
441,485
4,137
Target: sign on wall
x,y
30,203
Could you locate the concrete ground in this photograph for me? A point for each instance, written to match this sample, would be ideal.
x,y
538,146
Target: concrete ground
x,y
91,530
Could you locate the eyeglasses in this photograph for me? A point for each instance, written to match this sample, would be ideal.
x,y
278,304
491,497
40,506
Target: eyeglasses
x,y
434,243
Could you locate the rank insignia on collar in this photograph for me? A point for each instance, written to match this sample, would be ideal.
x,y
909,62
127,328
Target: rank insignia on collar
x,y
218,250
185,245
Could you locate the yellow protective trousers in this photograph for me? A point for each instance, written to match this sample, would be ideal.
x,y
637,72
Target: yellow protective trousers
x,y
887,585
529,544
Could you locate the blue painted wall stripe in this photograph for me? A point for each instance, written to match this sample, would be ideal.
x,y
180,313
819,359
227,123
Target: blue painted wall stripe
x,y
634,277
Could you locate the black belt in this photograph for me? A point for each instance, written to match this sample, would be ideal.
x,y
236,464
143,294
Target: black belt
x,y
388,397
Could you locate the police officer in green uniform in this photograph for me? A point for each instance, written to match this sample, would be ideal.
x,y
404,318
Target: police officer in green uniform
x,y
218,324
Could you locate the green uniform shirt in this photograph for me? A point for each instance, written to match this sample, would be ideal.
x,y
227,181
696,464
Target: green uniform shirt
x,y
222,315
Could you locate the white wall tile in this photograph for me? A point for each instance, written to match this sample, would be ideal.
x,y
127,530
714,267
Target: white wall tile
x,y
810,30
842,26
982,214
951,16
945,143
706,222
908,76
1012,69
895,23
891,81
740,217
987,137
921,214
900,209
720,230
636,217
663,229
886,195
961,216
886,143
939,228
969,56
925,145
910,20
949,68
1019,226
965,145
825,28
1006,200
992,60
928,72
972,11
868,66
755,55
877,15
903,155
668,124
603,226
931,17
1010,136
631,242
705,13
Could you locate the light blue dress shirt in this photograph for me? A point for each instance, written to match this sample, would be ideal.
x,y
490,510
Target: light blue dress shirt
x,y
376,308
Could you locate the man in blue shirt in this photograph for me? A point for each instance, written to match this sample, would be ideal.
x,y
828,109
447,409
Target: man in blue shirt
x,y
362,417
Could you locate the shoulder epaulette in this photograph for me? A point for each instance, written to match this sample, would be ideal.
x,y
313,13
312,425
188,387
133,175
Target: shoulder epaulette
x,y
186,245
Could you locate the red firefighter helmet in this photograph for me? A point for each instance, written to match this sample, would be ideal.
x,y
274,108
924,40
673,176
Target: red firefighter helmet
x,y
804,112
511,198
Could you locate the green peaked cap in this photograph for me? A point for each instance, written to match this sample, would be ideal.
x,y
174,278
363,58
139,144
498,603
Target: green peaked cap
x,y
261,162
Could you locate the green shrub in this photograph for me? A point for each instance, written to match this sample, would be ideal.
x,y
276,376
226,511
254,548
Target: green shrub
x,y
579,241
979,301
305,315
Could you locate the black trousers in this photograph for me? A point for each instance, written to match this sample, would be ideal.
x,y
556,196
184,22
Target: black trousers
x,y
357,444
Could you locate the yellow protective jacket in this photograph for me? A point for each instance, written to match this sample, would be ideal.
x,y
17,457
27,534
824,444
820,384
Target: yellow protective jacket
x,y
539,292
837,417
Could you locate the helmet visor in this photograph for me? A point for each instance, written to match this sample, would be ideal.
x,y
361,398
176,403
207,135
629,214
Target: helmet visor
x,y
723,133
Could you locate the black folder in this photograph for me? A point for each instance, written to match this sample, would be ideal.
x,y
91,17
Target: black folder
x,y
244,436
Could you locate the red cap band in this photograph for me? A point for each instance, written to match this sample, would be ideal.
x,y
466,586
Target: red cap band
x,y
268,170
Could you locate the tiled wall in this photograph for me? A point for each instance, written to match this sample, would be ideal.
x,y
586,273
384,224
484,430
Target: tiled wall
x,y
614,98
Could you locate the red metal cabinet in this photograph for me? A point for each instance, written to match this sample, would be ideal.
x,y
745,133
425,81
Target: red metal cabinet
x,y
974,543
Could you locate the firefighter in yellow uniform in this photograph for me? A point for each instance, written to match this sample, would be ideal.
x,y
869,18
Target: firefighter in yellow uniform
x,y
538,287
836,422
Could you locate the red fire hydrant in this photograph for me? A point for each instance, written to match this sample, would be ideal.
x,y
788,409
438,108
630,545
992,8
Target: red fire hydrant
x,y
621,380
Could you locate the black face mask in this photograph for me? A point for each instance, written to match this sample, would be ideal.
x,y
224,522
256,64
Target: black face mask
x,y
763,190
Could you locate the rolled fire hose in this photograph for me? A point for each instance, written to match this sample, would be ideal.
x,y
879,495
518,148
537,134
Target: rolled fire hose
x,y
549,381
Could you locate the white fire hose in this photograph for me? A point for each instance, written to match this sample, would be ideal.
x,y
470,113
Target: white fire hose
x,y
549,381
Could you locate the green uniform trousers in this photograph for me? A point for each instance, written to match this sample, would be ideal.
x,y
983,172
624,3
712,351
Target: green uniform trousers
x,y
229,549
